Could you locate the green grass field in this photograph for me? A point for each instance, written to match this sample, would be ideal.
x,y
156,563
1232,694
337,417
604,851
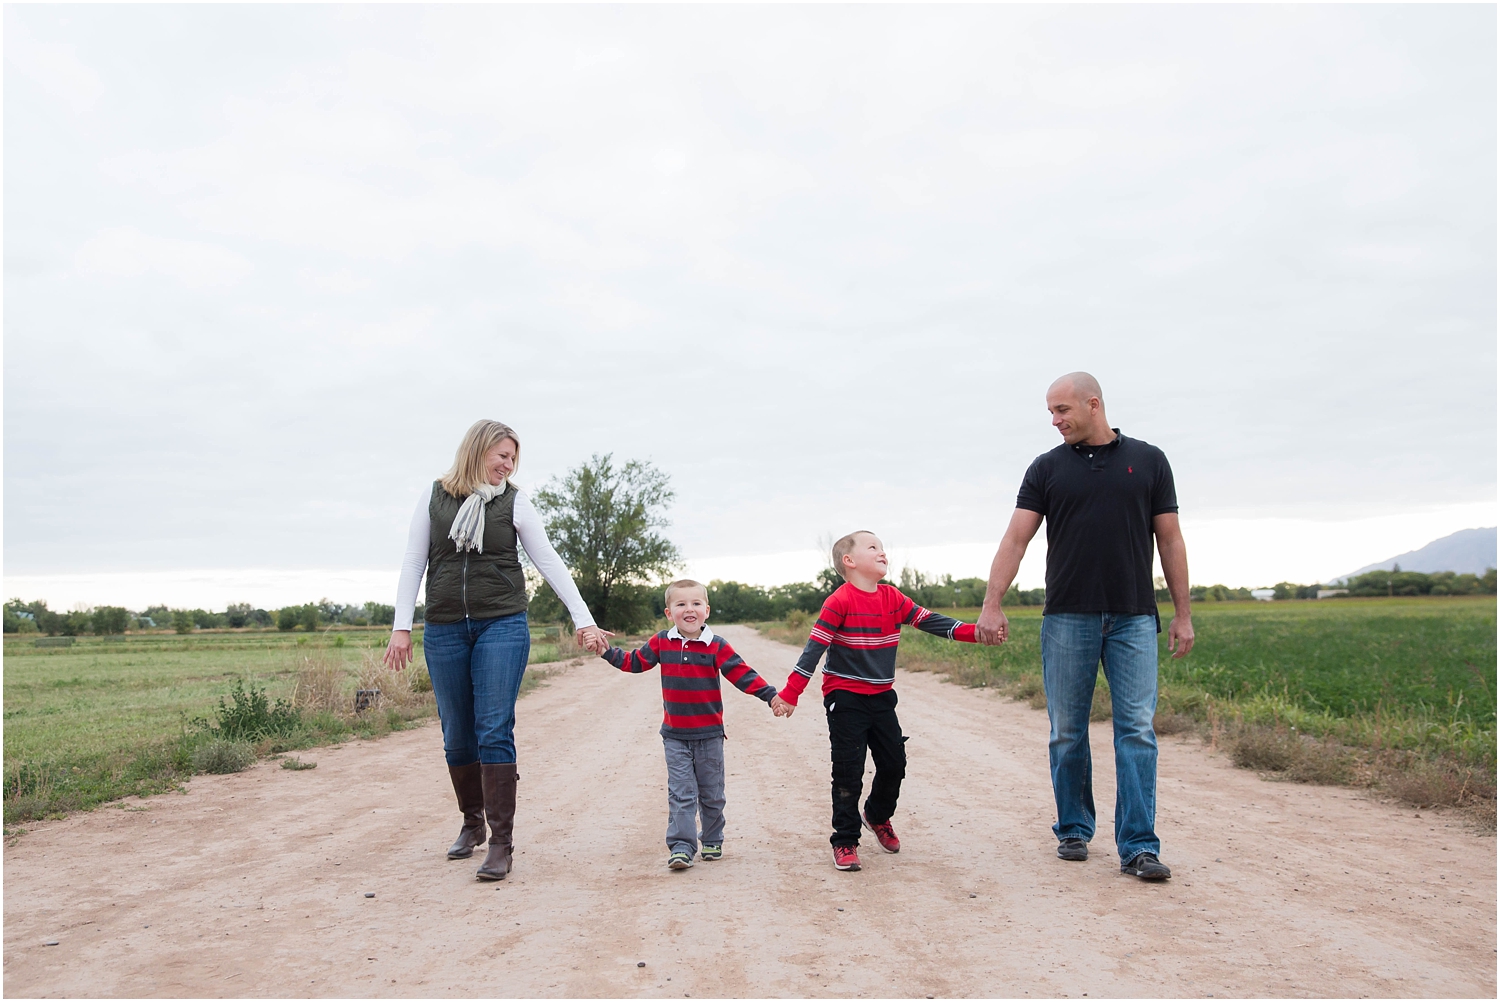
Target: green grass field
x,y
1386,685
105,719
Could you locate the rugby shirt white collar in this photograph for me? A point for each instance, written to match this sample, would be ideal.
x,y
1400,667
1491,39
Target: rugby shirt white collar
x,y
707,636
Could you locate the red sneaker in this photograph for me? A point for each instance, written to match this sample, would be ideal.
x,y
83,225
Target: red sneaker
x,y
884,833
845,857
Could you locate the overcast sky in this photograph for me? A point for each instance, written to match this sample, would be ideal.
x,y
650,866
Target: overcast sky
x,y
265,264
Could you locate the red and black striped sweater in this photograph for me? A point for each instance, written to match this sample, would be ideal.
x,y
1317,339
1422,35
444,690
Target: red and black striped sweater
x,y
690,670
860,631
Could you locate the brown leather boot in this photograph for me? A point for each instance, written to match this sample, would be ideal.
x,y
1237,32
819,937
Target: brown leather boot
x,y
500,807
469,787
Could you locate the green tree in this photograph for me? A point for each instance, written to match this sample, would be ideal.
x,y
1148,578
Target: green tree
x,y
288,618
110,620
603,520
182,620
309,618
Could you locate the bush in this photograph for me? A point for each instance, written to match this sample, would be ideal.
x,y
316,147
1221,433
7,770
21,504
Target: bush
x,y
1292,755
288,618
219,756
182,620
249,715
1166,724
1438,782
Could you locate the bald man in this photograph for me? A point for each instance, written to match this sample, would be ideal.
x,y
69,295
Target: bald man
x,y
1105,498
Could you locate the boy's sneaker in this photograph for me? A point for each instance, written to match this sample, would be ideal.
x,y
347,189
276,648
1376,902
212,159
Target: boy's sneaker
x,y
845,857
1146,866
884,833
711,851
680,860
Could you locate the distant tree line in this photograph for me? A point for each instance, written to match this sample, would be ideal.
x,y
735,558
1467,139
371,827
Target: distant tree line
x,y
1398,582
1369,585
737,602
109,620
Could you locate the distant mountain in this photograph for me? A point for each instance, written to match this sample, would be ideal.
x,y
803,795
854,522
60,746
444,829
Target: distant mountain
x,y
1467,551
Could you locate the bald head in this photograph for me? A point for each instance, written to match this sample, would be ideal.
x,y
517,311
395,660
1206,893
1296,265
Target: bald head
x,y
1077,406
1078,385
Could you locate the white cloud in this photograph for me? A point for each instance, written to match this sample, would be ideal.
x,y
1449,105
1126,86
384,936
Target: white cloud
x,y
55,67
125,252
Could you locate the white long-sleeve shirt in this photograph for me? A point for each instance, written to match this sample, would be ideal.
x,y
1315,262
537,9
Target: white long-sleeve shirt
x,y
533,538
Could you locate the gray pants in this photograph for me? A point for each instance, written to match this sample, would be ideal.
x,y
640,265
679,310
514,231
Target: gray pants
x,y
695,785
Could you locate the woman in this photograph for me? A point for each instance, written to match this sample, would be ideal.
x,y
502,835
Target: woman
x,y
464,535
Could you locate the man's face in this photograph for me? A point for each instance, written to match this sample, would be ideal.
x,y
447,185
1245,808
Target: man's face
x,y
1073,418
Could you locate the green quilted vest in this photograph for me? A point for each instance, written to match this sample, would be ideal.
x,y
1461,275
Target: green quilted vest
x,y
473,584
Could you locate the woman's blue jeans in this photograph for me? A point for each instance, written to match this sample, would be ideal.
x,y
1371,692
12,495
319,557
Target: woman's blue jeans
x,y
1074,644
476,667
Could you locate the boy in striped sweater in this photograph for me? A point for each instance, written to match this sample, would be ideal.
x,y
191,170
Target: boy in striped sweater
x,y
692,658
859,627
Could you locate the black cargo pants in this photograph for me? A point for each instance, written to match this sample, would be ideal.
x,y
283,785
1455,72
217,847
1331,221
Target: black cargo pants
x,y
856,722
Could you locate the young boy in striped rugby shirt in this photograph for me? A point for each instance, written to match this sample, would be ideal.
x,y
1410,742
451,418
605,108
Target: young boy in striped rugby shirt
x,y
860,626
692,658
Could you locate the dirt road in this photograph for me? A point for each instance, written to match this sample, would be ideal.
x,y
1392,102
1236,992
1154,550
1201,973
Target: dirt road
x,y
255,884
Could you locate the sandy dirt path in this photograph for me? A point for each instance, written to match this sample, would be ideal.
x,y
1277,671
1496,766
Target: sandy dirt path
x,y
254,884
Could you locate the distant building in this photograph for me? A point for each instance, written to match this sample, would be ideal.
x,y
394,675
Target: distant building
x,y
1263,594
1331,592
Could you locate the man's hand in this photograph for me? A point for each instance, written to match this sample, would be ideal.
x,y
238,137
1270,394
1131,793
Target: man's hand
x,y
1180,636
781,707
993,628
398,652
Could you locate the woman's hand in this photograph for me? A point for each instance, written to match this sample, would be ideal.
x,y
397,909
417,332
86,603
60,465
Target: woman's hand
x,y
593,639
398,653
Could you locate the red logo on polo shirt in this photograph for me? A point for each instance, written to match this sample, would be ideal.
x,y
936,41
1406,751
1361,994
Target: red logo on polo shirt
x,y
1130,469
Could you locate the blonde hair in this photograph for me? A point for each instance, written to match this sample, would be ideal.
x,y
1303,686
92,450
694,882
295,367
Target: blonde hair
x,y
684,584
468,470
844,547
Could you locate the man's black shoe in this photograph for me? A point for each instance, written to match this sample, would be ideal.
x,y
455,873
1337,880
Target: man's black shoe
x,y
1145,865
1075,850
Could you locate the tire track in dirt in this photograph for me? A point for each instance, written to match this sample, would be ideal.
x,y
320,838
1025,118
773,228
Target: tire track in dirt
x,y
254,884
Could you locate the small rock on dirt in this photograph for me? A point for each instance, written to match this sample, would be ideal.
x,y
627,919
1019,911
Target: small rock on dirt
x,y
369,894
49,942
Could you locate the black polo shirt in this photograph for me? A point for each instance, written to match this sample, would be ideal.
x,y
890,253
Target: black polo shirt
x,y
1099,501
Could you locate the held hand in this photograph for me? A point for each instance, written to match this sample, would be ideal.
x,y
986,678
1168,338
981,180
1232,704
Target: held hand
x,y
781,707
593,639
993,628
398,653
1180,636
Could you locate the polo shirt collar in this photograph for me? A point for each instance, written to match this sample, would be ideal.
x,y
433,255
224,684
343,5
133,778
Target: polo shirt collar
x,y
707,636
1119,437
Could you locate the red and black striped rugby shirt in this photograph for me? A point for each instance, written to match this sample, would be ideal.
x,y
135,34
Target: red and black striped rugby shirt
x,y
860,631
690,670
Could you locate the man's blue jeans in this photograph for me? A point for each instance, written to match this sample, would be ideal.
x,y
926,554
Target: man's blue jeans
x,y
1073,646
476,667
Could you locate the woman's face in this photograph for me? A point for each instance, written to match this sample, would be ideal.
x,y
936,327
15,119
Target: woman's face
x,y
500,461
